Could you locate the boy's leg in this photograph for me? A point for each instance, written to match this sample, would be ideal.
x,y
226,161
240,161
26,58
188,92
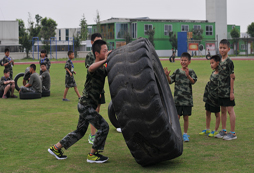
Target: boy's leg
x,y
232,117
12,89
223,116
208,119
217,123
76,90
6,89
65,93
186,123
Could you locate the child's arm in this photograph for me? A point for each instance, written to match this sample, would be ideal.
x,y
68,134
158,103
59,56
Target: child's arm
x,y
192,79
232,80
68,71
167,72
98,64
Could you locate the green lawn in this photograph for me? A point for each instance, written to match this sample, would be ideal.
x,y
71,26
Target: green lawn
x,y
29,127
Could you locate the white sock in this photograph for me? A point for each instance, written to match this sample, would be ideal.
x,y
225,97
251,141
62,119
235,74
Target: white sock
x,y
185,133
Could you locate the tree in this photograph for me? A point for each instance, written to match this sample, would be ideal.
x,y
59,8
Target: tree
x,y
97,21
34,30
84,30
235,34
250,29
173,40
77,44
48,27
197,34
150,34
127,37
26,43
22,32
38,19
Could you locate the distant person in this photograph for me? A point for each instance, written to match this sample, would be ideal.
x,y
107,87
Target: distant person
x,y
69,78
208,55
172,57
184,78
44,59
211,98
7,84
226,91
34,84
45,77
8,62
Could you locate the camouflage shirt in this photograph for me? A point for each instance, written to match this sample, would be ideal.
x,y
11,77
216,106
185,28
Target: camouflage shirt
x,y
46,61
89,59
6,60
69,64
93,86
226,68
183,87
211,91
3,79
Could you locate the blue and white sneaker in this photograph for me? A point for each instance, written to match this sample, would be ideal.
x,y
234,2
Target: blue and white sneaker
x,y
186,138
230,136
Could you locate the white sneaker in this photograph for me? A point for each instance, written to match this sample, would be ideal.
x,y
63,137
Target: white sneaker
x,y
119,130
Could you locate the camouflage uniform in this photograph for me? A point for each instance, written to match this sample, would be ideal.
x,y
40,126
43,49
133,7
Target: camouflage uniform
x,y
211,94
87,114
45,77
69,80
89,61
46,61
226,68
183,89
9,66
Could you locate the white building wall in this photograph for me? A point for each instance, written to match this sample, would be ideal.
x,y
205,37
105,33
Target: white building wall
x,y
72,31
9,32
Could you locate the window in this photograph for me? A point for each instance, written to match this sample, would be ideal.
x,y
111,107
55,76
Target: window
x,y
121,29
59,33
134,30
185,28
147,28
243,47
197,27
209,30
67,34
167,29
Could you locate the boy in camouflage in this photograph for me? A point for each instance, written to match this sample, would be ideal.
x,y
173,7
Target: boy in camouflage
x,y
8,63
69,78
89,101
44,59
184,78
7,84
45,77
89,61
226,91
211,98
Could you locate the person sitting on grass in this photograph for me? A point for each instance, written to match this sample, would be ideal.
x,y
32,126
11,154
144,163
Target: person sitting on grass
x,y
45,77
87,105
34,84
184,78
211,98
69,78
44,59
7,84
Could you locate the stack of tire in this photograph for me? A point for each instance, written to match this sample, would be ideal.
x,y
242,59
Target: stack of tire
x,y
143,103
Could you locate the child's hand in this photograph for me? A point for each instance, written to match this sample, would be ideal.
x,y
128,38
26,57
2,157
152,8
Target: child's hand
x,y
166,71
187,72
232,97
70,74
107,54
74,72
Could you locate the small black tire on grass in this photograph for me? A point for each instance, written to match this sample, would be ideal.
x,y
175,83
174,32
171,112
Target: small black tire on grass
x,y
143,103
112,116
16,80
29,95
45,93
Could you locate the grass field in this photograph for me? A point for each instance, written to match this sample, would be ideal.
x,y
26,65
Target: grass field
x,y
29,127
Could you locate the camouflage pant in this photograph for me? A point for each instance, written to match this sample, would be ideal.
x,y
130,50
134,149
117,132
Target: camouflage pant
x,y
87,115
70,81
25,89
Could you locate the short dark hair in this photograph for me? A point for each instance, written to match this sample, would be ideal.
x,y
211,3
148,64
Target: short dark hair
x,y
216,58
6,50
94,35
43,64
44,51
97,46
6,70
225,41
186,55
33,66
70,52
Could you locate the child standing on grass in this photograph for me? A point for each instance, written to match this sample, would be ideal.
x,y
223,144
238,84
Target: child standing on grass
x,y
184,78
8,62
87,105
226,91
211,98
69,78
44,59
7,84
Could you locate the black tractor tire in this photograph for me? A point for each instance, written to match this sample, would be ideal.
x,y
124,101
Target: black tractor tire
x,y
29,95
112,115
16,80
143,103
45,93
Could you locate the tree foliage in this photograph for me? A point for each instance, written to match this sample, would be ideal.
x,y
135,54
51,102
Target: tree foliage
x,y
22,31
127,37
235,34
77,43
97,21
26,43
197,34
173,40
84,30
150,34
250,29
